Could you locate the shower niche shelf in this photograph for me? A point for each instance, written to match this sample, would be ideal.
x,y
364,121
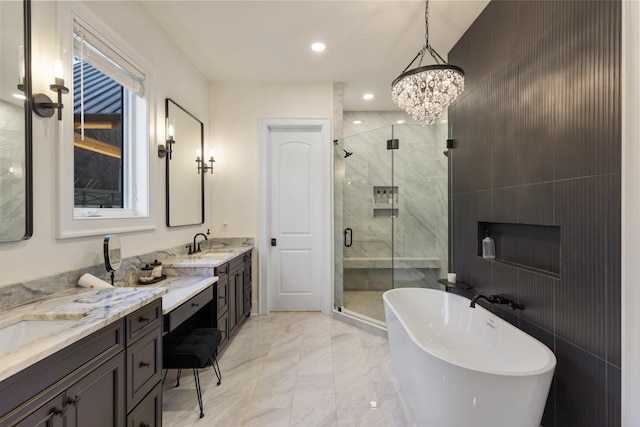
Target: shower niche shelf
x,y
385,212
385,200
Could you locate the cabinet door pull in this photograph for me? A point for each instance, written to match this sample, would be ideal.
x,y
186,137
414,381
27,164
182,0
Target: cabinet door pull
x,y
195,304
144,425
57,412
144,365
143,319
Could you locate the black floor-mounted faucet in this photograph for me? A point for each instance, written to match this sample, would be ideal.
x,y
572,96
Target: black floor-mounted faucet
x,y
497,299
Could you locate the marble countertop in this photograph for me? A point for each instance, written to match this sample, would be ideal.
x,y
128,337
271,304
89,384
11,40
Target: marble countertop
x,y
180,289
209,257
89,309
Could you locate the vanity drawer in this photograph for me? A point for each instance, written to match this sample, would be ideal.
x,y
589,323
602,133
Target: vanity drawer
x,y
188,309
236,263
149,411
143,320
144,367
221,270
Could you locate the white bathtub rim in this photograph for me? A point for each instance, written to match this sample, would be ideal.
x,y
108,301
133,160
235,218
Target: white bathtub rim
x,y
547,368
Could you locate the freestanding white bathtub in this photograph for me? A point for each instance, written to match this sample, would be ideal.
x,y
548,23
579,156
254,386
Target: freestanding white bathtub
x,y
460,366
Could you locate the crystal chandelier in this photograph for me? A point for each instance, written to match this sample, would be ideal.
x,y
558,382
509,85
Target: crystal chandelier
x,y
426,91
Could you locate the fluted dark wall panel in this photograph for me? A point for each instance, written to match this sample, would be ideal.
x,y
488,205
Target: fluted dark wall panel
x,y
538,142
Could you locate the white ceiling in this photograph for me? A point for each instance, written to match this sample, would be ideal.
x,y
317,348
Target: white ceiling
x,y
369,43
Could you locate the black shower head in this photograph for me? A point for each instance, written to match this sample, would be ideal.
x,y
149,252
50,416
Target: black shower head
x,y
346,153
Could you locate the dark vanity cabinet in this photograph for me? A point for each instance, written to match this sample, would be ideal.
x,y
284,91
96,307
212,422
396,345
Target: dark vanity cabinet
x,y
233,295
110,378
236,278
222,296
247,282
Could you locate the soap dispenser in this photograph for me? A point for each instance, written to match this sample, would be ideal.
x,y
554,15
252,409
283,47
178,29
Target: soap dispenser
x,y
488,247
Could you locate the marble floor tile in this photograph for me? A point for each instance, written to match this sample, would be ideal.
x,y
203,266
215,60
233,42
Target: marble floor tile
x,y
266,417
347,347
314,405
293,370
360,417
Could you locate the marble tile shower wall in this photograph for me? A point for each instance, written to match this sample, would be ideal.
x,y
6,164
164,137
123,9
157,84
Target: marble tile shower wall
x,y
419,172
12,182
128,274
538,142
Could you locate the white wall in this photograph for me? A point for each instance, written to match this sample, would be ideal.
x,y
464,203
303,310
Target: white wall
x,y
235,110
175,77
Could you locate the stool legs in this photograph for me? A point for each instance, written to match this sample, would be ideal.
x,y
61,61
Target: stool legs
x,y
216,368
178,378
196,377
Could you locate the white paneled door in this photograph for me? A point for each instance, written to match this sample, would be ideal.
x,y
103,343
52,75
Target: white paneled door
x,y
295,223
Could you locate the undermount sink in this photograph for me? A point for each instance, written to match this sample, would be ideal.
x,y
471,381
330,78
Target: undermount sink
x,y
30,329
222,250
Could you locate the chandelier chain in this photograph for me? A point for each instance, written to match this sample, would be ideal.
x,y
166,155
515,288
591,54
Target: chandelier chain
x,y
426,24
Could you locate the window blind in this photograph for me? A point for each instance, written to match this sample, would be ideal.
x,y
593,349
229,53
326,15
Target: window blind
x,y
89,47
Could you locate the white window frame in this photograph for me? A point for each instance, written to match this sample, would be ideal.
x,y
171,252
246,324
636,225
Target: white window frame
x,y
78,222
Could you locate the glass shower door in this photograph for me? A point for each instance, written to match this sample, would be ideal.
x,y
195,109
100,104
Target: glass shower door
x,y
367,222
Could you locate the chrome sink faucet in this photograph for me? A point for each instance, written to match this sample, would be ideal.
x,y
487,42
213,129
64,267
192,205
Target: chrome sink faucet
x,y
497,299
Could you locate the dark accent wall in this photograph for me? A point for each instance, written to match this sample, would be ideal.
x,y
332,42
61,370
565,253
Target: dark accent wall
x,y
538,143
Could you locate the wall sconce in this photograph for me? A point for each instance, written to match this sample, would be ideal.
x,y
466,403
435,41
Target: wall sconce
x,y
42,104
170,133
202,165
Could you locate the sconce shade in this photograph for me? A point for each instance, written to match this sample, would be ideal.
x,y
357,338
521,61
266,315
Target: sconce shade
x,y
42,104
170,133
21,68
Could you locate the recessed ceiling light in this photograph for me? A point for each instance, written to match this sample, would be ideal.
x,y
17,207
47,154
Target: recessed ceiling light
x,y
318,47
367,96
400,122
357,122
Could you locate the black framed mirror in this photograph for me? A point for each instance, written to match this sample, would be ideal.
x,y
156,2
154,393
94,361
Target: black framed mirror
x,y
185,181
16,193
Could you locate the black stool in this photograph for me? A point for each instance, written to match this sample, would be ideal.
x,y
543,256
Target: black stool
x,y
213,344
195,349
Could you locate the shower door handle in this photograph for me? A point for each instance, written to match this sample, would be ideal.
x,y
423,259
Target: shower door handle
x,y
348,231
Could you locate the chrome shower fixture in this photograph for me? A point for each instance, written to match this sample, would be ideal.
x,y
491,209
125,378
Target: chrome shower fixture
x,y
346,153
